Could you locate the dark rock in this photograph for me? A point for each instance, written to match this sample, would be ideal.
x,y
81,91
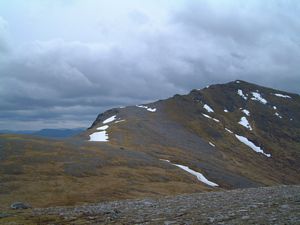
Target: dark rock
x,y
19,205
3,215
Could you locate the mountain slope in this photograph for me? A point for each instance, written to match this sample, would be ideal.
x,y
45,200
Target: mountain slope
x,y
226,136
206,131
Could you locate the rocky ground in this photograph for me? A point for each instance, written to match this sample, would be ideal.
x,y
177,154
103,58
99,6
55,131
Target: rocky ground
x,y
268,205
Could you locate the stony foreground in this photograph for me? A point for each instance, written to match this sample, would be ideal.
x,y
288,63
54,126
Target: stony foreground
x,y
270,205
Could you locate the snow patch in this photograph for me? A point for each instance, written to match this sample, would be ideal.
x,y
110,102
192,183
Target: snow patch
x,y
244,122
282,96
199,176
225,110
99,136
166,160
258,97
240,93
147,108
103,127
251,145
212,144
119,121
152,109
277,114
142,106
274,107
208,108
246,112
228,130
209,117
110,119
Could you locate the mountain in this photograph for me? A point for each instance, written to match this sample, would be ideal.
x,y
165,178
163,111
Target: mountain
x,y
238,134
51,133
225,136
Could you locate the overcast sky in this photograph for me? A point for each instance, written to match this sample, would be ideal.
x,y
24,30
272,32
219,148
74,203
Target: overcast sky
x,y
62,62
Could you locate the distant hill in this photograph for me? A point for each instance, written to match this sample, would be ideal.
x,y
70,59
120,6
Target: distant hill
x,y
49,133
16,131
58,133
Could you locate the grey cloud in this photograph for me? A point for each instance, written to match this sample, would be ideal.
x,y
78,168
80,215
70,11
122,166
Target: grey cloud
x,y
243,22
67,83
264,33
138,17
4,45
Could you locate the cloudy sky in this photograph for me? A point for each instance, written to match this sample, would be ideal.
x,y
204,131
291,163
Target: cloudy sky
x,y
64,61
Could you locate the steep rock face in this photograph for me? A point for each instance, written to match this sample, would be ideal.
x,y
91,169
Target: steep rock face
x,y
237,134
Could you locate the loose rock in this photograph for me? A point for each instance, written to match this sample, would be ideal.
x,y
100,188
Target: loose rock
x,y
19,205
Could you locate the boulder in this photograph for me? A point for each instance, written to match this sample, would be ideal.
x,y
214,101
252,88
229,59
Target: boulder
x,y
19,205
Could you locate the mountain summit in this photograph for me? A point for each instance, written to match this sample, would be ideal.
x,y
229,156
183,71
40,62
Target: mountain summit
x,y
225,136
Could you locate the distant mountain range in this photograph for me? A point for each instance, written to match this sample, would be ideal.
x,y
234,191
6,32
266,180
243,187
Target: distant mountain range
x,y
50,133
225,136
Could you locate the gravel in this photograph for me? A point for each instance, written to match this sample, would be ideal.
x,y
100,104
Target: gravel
x,y
266,205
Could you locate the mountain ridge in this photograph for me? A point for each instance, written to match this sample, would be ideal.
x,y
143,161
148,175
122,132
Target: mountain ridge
x,y
214,96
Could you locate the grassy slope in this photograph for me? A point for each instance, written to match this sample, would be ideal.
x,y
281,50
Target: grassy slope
x,y
48,173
